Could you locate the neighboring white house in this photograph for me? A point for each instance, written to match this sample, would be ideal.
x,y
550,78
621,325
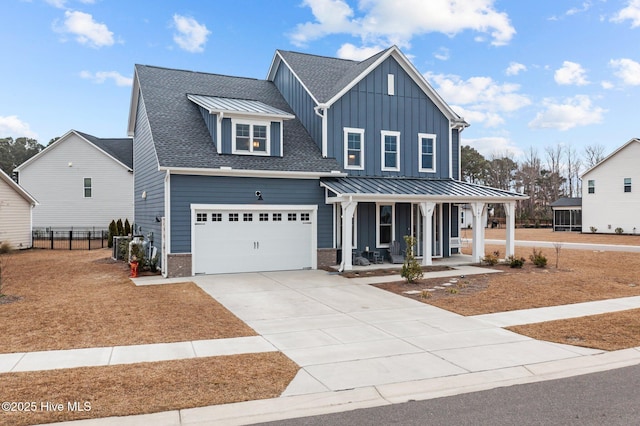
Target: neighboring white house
x,y
16,206
611,192
80,182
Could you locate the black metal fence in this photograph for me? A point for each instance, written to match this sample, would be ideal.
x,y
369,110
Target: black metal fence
x,y
70,239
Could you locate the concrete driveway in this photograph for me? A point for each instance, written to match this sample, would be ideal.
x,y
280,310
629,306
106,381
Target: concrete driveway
x,y
346,335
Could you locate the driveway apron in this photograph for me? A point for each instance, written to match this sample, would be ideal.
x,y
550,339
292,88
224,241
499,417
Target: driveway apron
x,y
347,335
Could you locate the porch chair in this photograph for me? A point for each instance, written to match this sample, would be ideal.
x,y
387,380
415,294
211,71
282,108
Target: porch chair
x,y
396,255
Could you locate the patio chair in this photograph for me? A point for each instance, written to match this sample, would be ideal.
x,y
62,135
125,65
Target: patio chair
x,y
396,255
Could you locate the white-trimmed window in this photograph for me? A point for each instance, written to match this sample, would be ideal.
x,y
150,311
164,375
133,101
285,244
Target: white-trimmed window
x,y
390,150
591,186
427,152
353,148
250,137
627,184
384,224
87,188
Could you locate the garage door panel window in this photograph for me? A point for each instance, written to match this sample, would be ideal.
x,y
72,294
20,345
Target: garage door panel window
x,y
233,217
304,217
292,216
201,217
264,217
216,217
277,217
247,217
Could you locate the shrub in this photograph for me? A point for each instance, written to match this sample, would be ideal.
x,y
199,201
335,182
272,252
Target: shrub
x,y
5,248
127,227
411,269
593,229
492,258
619,231
516,262
112,233
120,227
538,258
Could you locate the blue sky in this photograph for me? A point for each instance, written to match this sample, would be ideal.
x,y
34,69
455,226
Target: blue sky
x,y
524,74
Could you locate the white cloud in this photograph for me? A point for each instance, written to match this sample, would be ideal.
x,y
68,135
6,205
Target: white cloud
x,y
102,76
627,70
631,12
349,51
572,112
515,68
479,99
606,85
496,145
191,35
12,126
86,30
60,4
442,54
571,73
575,10
383,22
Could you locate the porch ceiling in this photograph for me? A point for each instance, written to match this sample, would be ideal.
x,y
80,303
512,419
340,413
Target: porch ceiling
x,y
400,188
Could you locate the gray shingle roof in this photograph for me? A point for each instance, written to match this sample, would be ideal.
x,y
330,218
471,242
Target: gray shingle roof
x,y
420,188
325,77
119,148
567,202
181,137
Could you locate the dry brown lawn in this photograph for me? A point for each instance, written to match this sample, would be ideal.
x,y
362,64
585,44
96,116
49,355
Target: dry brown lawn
x,y
76,299
143,388
581,276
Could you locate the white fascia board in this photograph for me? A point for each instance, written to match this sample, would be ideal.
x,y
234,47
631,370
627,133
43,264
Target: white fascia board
x,y
609,156
250,173
20,190
395,198
272,71
133,106
46,150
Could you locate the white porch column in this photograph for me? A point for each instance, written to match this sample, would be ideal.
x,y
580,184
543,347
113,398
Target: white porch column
x,y
478,231
510,212
427,237
348,208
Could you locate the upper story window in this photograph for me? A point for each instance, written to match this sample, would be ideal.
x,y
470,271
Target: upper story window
x,y
250,137
87,188
591,186
354,149
390,150
627,184
427,152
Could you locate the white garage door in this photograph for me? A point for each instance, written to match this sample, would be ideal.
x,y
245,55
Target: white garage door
x,y
230,239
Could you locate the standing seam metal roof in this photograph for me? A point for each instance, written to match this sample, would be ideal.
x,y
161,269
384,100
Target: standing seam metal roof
x,y
441,188
214,103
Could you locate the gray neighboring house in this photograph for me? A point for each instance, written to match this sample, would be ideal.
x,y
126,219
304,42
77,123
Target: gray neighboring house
x,y
567,214
325,156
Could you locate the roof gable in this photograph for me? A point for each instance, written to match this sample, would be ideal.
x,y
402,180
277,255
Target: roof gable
x,y
17,188
328,79
119,150
614,153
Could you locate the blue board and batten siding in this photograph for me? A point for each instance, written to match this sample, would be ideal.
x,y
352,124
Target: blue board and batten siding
x,y
300,102
188,189
410,111
146,178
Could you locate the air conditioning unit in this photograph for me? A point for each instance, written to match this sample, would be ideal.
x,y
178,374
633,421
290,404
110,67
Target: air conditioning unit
x,y
117,241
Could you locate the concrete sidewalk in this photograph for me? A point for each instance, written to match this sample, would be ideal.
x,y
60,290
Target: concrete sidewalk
x,y
359,346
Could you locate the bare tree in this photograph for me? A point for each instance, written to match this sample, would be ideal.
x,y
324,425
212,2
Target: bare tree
x,y
574,164
593,154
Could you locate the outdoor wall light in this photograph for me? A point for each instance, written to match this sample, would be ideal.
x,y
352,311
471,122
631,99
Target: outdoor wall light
x,y
144,195
259,195
70,163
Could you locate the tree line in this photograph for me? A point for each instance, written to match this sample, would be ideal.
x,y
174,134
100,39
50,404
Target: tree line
x,y
544,178
14,152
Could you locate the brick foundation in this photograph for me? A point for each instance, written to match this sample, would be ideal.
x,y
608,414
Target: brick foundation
x,y
179,265
327,257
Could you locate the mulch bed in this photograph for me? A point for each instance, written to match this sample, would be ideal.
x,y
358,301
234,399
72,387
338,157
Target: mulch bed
x,y
383,272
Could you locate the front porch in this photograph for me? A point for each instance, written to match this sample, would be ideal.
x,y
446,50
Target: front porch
x,y
371,213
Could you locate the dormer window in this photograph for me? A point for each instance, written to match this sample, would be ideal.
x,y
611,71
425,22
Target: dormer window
x,y
250,137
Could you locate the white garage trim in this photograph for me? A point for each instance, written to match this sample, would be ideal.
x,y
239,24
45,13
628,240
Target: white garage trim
x,y
312,210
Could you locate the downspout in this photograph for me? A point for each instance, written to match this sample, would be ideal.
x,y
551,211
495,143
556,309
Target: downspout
x,y
323,115
219,132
